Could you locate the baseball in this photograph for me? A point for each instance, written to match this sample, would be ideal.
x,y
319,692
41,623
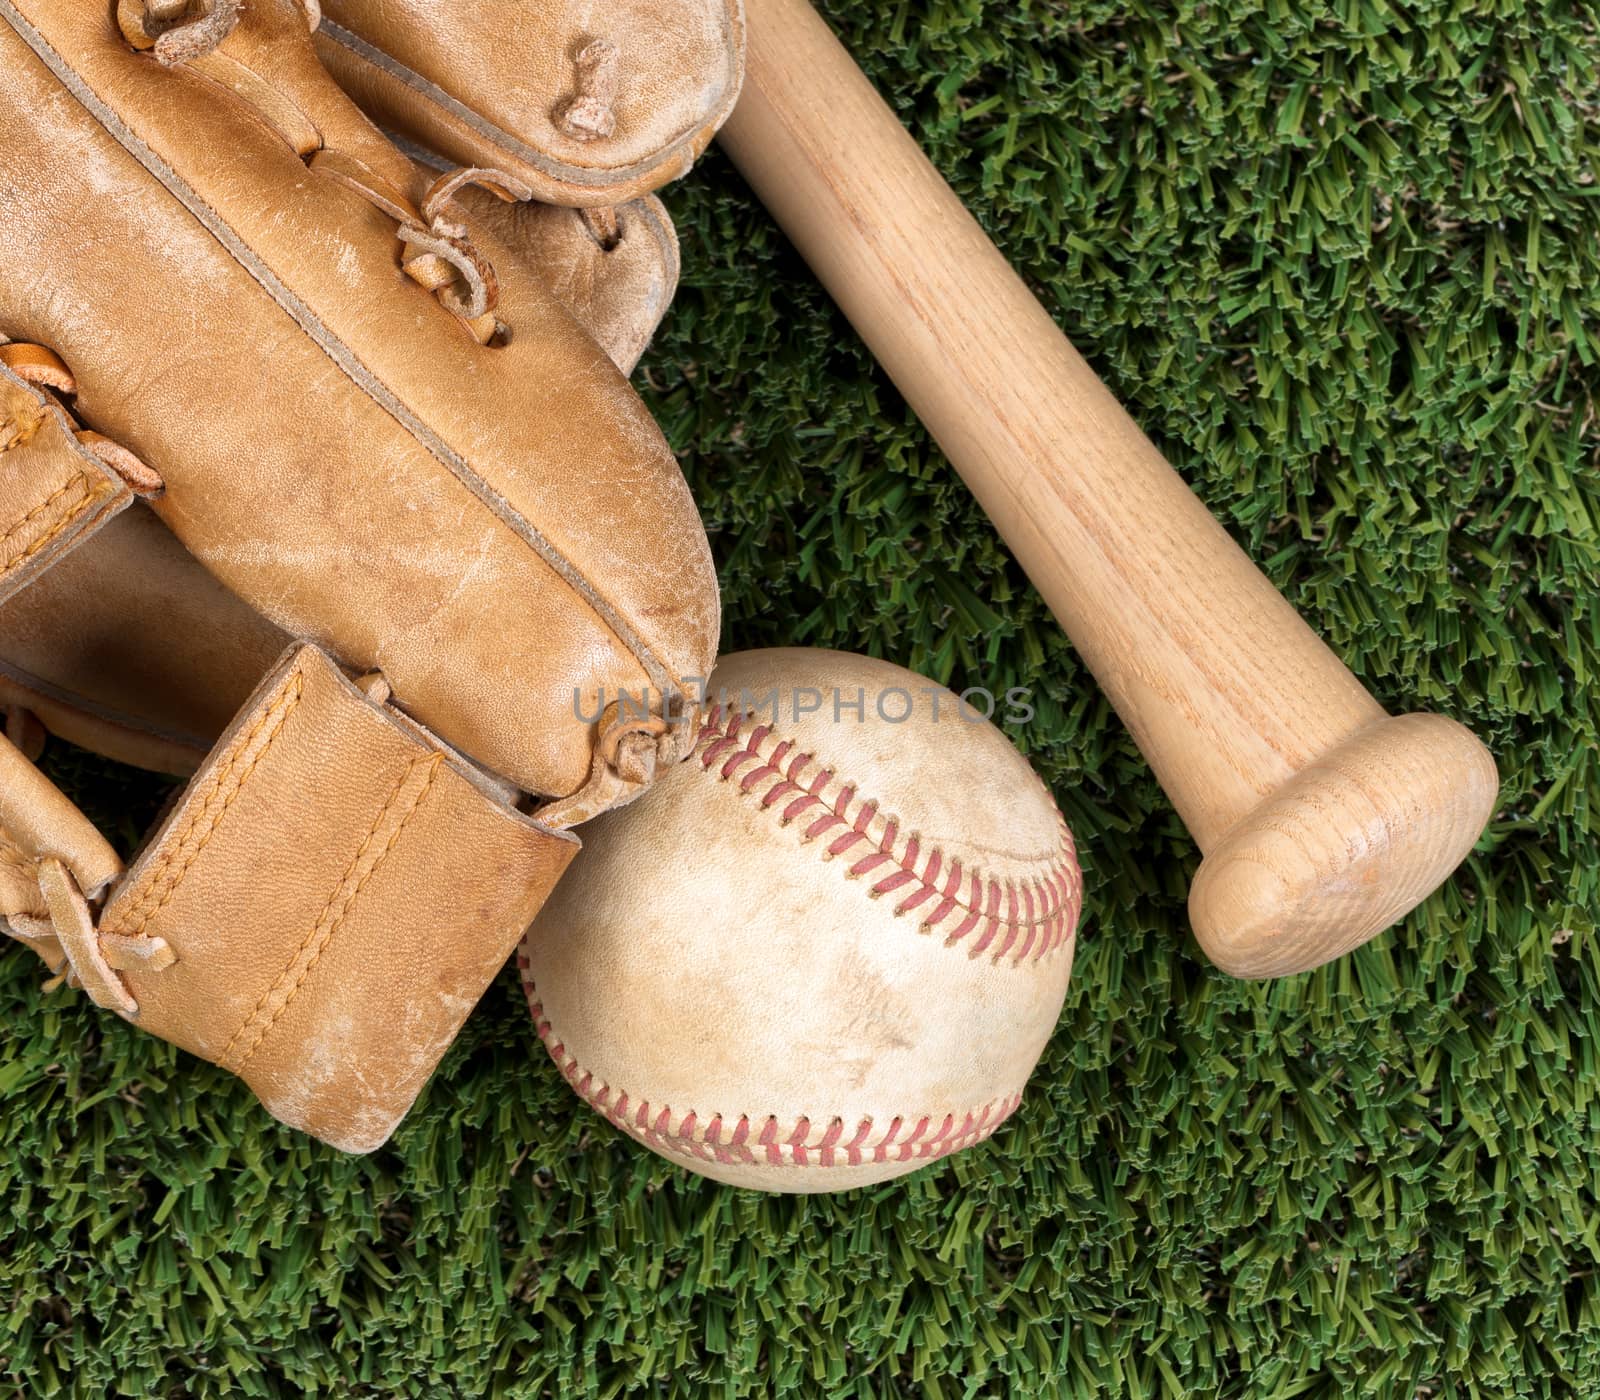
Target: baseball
x,y
830,947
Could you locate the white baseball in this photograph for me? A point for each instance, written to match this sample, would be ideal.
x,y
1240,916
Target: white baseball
x,y
825,951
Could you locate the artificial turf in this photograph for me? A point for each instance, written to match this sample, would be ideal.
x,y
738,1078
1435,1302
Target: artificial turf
x,y
1342,261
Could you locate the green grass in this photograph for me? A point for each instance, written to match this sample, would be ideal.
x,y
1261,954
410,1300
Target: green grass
x,y
1342,260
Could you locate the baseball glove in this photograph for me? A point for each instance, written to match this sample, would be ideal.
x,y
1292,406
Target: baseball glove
x,y
228,294
129,648
584,105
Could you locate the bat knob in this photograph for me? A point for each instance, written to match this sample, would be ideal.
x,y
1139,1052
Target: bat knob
x,y
1348,846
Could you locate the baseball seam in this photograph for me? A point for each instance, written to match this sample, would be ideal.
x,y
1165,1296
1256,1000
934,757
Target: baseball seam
x,y
767,1142
1016,916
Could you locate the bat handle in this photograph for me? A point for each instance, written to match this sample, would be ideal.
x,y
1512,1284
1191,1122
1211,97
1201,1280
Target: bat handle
x,y
1351,843
1323,819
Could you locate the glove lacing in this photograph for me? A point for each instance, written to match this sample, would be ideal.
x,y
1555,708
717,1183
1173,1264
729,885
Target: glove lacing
x,y
76,952
591,114
20,419
439,252
181,30
474,291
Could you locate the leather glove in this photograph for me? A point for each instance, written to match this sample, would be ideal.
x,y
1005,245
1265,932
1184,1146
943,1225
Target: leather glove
x,y
225,292
585,105
589,111
129,648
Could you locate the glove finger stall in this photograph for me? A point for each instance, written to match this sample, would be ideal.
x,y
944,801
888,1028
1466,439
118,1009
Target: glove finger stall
x,y
128,647
498,529
587,105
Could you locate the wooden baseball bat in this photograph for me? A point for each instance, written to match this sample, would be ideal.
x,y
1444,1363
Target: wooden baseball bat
x,y
1322,819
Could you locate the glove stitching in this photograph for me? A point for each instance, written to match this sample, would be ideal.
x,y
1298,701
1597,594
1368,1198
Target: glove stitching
x,y
86,496
318,939
138,916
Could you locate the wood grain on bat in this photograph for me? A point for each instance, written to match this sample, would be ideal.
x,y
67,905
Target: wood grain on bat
x,y
1319,815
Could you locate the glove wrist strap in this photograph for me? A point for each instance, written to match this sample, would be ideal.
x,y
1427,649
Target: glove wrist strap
x,y
319,912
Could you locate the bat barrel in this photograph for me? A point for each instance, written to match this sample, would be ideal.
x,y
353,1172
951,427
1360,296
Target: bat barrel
x,y
1228,693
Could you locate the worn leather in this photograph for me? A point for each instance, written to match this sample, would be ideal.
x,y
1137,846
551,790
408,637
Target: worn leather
x,y
512,530
587,105
54,492
823,951
619,288
377,427
318,914
130,648
37,818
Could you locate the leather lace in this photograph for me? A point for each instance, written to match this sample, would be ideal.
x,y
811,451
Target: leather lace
x,y
440,254
437,242
41,368
591,115
77,953
178,31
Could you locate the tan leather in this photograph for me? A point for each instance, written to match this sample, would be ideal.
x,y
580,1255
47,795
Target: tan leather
x,y
22,727
354,402
512,530
587,105
36,817
54,491
823,951
618,284
614,268
130,648
318,914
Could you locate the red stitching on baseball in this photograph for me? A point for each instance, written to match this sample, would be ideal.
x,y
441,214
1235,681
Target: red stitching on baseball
x,y
845,842
1020,918
773,1143
891,883
922,896
798,806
